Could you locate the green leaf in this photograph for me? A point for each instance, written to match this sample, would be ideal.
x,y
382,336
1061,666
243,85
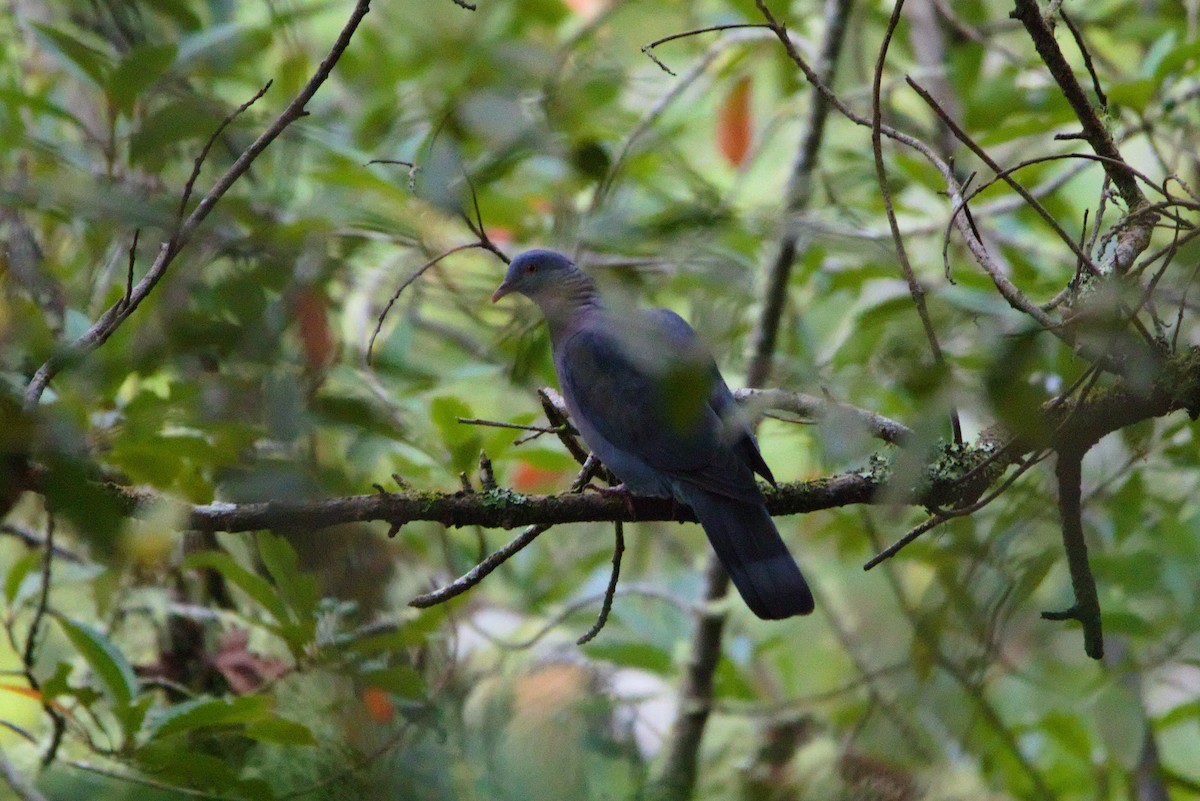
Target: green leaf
x,y
250,583
281,731
191,118
1176,60
634,654
208,712
14,583
189,767
298,590
106,661
403,680
57,684
91,61
1183,713
1135,94
461,439
140,68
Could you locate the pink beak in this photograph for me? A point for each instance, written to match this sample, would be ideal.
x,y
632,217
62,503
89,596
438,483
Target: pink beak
x,y
500,292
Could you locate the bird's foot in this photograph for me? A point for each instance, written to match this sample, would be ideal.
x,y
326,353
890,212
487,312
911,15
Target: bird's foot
x,y
618,490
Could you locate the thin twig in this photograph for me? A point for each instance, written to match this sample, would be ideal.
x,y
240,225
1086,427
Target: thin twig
x,y
111,319
606,607
1000,172
1087,59
915,289
477,227
815,408
133,778
556,414
948,514
1007,289
474,421
198,163
1097,134
798,197
39,613
625,591
481,570
33,540
710,29
500,555
405,285
487,476
413,169
129,270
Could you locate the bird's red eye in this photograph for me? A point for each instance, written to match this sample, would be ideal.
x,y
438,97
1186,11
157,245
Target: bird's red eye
x,y
531,269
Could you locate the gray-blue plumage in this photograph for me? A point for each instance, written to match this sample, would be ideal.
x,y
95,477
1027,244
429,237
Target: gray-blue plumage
x,y
648,399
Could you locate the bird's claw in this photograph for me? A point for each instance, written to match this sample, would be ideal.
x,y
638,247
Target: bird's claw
x,y
619,490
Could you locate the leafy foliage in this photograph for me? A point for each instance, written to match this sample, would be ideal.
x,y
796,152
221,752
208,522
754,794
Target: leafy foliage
x,y
283,664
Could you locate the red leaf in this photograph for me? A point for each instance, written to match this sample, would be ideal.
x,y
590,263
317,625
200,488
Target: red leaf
x,y
734,123
527,478
315,334
379,705
586,8
499,234
245,671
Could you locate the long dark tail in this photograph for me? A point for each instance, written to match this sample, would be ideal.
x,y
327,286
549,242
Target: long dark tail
x,y
753,553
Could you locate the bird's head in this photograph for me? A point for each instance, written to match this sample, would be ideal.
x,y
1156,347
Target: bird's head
x,y
539,275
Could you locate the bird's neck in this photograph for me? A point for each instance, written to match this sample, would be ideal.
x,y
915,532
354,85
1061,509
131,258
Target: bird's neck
x,y
570,304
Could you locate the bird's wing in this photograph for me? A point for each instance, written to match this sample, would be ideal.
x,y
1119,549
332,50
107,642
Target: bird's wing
x,y
720,399
646,386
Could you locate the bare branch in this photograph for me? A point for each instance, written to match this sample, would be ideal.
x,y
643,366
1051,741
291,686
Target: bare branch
x,y
710,29
1006,175
129,270
115,315
481,570
501,555
610,591
1087,59
1086,608
413,169
914,286
1093,128
204,151
797,198
406,284
816,408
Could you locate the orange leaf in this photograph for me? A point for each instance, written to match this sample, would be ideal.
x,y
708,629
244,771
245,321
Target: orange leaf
x,y
733,123
315,334
379,705
499,234
527,478
29,692
586,8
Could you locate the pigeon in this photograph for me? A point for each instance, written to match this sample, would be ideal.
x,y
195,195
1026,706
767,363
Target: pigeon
x,y
649,401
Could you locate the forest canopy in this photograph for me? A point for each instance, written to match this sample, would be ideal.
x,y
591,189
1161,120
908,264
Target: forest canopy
x,y
290,509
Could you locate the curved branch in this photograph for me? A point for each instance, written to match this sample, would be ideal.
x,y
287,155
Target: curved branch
x,y
782,400
112,318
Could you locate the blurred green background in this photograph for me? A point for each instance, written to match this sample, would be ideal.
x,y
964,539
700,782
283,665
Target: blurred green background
x,y
246,673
